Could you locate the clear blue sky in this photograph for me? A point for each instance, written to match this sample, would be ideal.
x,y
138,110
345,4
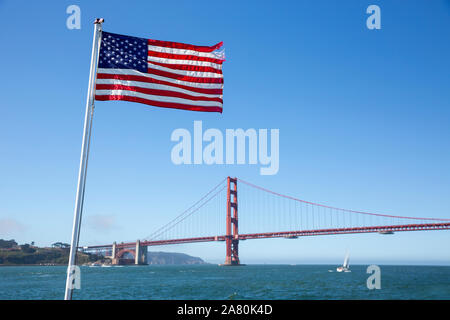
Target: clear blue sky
x,y
363,117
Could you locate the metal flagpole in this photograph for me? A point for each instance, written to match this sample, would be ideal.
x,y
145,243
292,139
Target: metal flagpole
x,y
83,160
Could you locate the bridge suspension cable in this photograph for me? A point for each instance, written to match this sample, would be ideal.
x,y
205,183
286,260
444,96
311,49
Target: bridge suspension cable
x,y
334,208
263,210
170,227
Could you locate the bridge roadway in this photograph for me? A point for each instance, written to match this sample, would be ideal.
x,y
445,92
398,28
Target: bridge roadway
x,y
287,234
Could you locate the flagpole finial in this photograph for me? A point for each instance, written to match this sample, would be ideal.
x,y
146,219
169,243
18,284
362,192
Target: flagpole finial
x,y
99,21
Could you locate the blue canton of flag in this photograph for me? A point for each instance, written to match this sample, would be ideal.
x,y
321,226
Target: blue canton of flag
x,y
124,52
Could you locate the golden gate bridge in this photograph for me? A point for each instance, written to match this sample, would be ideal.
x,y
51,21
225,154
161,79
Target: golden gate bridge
x,y
263,214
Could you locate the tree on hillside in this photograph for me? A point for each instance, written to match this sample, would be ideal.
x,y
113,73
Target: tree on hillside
x,y
7,244
27,248
61,245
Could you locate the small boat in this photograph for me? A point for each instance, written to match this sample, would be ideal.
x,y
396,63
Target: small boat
x,y
95,264
345,266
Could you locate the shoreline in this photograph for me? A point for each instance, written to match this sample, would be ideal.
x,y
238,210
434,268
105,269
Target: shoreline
x,y
247,264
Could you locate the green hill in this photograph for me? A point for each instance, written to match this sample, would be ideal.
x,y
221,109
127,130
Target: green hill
x,y
13,254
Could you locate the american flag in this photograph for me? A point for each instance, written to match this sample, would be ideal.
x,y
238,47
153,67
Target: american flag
x,y
160,73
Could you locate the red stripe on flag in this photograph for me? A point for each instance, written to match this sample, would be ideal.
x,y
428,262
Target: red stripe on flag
x,y
183,57
183,78
187,67
179,45
159,103
155,92
151,80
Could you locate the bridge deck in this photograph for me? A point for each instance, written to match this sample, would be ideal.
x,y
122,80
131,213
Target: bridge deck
x,y
289,234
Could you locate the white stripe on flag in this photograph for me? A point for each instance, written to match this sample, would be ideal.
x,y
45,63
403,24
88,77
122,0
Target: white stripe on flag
x,y
155,86
156,98
197,74
184,52
186,62
153,76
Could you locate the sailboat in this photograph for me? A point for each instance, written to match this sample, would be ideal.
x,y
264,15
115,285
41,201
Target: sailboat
x,y
344,267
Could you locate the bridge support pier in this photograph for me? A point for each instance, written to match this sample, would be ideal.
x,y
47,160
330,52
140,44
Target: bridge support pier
x,y
232,235
140,256
139,252
113,251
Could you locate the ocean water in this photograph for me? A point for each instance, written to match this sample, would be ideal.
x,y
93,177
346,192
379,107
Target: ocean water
x,y
214,282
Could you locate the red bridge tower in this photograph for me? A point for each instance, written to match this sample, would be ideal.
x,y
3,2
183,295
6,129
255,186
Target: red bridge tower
x,y
232,235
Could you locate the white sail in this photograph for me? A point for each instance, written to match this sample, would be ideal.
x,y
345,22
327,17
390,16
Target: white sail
x,y
347,258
